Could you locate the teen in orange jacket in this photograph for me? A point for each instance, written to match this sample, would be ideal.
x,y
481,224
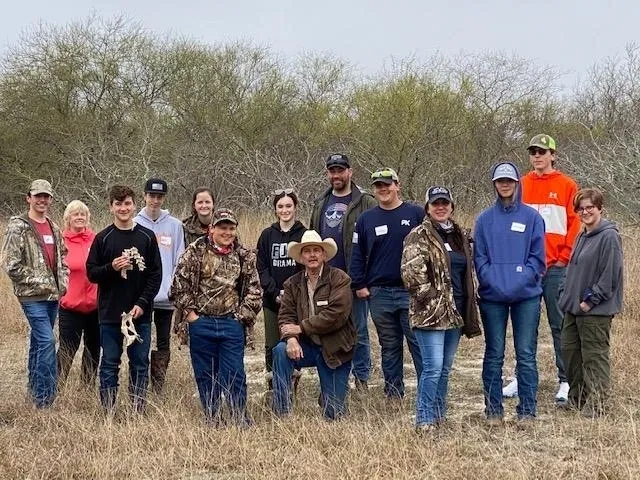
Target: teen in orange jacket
x,y
551,193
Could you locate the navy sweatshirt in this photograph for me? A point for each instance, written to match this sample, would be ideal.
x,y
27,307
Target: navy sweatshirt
x,y
377,245
274,264
509,251
116,294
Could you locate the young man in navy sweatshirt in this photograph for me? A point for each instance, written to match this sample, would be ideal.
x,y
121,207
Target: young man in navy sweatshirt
x,y
510,261
375,272
126,284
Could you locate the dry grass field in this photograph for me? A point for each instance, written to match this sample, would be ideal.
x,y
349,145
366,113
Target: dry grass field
x,y
75,440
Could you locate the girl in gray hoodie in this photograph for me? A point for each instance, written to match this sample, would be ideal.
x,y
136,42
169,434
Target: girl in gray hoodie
x,y
591,296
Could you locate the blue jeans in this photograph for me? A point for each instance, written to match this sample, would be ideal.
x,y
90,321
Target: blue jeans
x,y
438,349
362,350
216,345
390,313
551,293
41,362
334,382
525,318
112,343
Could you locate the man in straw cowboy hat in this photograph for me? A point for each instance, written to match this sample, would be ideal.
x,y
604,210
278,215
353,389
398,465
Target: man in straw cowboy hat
x,y
316,328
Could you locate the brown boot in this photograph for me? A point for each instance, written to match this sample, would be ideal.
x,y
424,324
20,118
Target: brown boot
x,y
159,365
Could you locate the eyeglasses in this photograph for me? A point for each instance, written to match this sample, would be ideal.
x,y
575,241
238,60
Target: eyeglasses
x,y
285,191
587,209
537,151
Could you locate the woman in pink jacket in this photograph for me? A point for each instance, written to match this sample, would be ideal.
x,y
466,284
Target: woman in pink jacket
x,y
78,313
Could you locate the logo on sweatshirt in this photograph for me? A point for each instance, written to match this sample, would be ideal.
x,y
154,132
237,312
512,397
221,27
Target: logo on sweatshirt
x,y
405,223
553,195
280,257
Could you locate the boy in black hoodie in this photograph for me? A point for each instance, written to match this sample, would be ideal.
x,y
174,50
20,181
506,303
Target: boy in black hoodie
x,y
124,261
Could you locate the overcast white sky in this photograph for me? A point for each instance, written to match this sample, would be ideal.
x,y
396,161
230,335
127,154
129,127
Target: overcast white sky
x,y
569,34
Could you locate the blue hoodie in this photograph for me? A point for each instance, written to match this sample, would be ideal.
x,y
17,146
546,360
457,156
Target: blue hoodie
x,y
509,252
170,236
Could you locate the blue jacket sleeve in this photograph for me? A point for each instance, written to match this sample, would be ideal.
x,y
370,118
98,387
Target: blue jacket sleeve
x,y
537,259
480,253
357,269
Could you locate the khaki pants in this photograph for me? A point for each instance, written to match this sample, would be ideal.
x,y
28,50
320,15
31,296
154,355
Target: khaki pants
x,y
585,344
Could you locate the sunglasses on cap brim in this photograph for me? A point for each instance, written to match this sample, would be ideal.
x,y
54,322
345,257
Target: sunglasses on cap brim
x,y
384,175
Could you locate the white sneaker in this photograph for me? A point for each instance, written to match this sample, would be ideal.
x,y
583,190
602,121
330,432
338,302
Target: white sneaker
x,y
563,393
511,390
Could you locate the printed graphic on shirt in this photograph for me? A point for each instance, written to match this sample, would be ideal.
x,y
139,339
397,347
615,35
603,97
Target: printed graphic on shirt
x,y
334,214
280,257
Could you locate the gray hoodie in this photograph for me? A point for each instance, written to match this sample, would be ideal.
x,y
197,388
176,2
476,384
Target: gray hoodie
x,y
170,236
594,273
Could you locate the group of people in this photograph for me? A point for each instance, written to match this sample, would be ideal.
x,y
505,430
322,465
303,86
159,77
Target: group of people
x,y
417,272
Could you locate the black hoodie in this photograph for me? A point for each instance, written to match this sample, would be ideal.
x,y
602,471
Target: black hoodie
x,y
274,264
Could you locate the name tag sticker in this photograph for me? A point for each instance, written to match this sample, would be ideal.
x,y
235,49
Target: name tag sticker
x,y
164,240
518,227
381,230
354,239
448,247
545,211
48,239
322,303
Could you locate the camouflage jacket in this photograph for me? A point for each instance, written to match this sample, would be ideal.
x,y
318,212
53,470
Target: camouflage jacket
x,y
192,229
426,274
212,284
22,257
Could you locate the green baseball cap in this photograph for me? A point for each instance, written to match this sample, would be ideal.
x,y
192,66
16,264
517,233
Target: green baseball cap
x,y
543,141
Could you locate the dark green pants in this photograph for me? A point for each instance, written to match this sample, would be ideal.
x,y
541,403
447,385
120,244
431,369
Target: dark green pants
x,y
585,344
271,336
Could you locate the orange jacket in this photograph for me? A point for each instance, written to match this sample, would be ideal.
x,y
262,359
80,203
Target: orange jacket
x,y
551,194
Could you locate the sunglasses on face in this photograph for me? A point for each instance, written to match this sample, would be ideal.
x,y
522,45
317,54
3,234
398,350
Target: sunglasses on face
x,y
537,151
587,209
285,191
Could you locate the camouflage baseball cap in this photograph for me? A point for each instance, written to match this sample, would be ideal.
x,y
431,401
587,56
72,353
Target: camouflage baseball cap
x,y
543,141
384,175
224,215
40,186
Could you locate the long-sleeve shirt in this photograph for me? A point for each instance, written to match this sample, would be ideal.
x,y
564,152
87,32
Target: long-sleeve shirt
x,y
115,293
551,194
377,245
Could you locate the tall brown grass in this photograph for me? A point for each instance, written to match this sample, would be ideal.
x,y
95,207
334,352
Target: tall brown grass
x,y
75,440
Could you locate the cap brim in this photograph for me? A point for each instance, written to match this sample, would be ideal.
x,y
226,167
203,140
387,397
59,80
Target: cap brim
x,y
341,165
294,250
505,176
38,192
388,181
439,197
225,220
539,145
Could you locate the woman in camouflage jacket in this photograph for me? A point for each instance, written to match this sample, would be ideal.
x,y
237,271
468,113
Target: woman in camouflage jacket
x,y
437,271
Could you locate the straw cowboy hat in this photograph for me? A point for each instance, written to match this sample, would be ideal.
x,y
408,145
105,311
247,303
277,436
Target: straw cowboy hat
x,y
311,237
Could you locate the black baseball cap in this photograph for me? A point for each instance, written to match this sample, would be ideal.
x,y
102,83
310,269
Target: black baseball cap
x,y
337,160
156,185
438,193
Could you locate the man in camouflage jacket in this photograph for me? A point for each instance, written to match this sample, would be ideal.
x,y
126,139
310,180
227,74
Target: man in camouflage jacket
x,y
33,257
216,284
